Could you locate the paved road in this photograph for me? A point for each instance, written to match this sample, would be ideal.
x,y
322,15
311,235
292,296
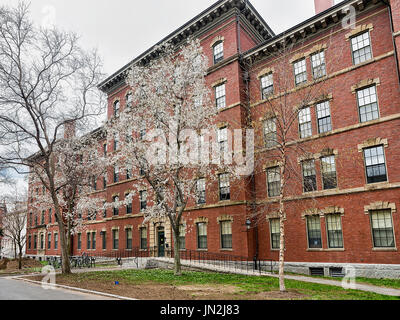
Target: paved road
x,y
22,290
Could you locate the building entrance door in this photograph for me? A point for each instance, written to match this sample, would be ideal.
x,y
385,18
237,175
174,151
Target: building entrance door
x,y
161,242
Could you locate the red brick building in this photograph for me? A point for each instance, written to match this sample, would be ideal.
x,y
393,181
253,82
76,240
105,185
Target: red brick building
x,y
351,218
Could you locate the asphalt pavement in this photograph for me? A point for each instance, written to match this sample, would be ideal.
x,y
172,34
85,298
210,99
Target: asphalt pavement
x,y
11,289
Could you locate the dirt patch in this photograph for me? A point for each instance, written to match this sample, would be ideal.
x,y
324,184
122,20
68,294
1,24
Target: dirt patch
x,y
157,291
11,266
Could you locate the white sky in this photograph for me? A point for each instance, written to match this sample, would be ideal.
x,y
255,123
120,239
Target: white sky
x,y
123,29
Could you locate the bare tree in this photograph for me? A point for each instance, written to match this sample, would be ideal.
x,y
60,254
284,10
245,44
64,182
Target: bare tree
x,y
46,82
282,151
14,227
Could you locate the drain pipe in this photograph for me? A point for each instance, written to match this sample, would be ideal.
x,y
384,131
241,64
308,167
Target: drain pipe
x,y
387,2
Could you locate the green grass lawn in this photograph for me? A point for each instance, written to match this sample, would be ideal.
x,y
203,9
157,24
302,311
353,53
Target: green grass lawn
x,y
245,284
386,283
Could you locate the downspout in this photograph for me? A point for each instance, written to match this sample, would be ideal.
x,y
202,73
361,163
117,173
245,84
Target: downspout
x,y
387,2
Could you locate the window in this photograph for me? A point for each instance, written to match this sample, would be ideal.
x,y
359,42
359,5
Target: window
x,y
129,172
104,240
324,117
128,239
29,242
104,210
201,191
56,241
30,219
182,237
79,241
270,133
361,48
35,241
368,104
115,208
105,150
314,232
202,235
220,98
94,240
88,244
218,52
382,229
115,237
305,126
50,215
36,220
226,235
309,176
223,141
116,174
375,164
143,131
143,200
116,142
267,86
143,238
328,168
224,187
116,108
274,225
334,231
42,218
105,181
42,241
49,241
274,182
129,100
129,208
318,65
300,71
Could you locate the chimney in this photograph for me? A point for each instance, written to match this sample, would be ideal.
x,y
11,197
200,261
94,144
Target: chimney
x,y
322,5
69,129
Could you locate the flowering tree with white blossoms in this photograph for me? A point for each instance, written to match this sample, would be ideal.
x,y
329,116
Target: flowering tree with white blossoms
x,y
78,164
166,133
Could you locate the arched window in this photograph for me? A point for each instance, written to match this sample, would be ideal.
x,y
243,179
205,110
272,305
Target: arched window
x,y
218,49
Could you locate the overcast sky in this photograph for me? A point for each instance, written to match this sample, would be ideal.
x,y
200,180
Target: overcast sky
x,y
123,29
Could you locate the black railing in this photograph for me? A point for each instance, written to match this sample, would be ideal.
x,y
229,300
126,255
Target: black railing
x,y
226,262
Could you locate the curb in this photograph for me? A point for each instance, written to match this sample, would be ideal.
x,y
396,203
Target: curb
x,y
76,289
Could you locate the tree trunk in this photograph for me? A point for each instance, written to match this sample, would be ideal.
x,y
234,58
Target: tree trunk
x,y
177,256
66,266
20,258
282,286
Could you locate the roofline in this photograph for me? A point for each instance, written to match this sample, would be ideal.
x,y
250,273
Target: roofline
x,y
302,25
185,26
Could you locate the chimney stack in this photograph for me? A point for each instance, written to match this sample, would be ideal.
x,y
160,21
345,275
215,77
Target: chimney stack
x,y
322,5
69,129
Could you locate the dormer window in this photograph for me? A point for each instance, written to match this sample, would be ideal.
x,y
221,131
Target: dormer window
x,y
218,49
116,107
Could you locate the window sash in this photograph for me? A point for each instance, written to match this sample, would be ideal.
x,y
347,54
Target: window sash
x,y
375,164
224,187
202,236
267,86
318,65
334,231
274,181
201,191
128,238
382,229
270,133
143,238
115,234
361,48
274,225
305,125
309,176
218,52
300,71
220,96
314,232
368,104
324,117
328,168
